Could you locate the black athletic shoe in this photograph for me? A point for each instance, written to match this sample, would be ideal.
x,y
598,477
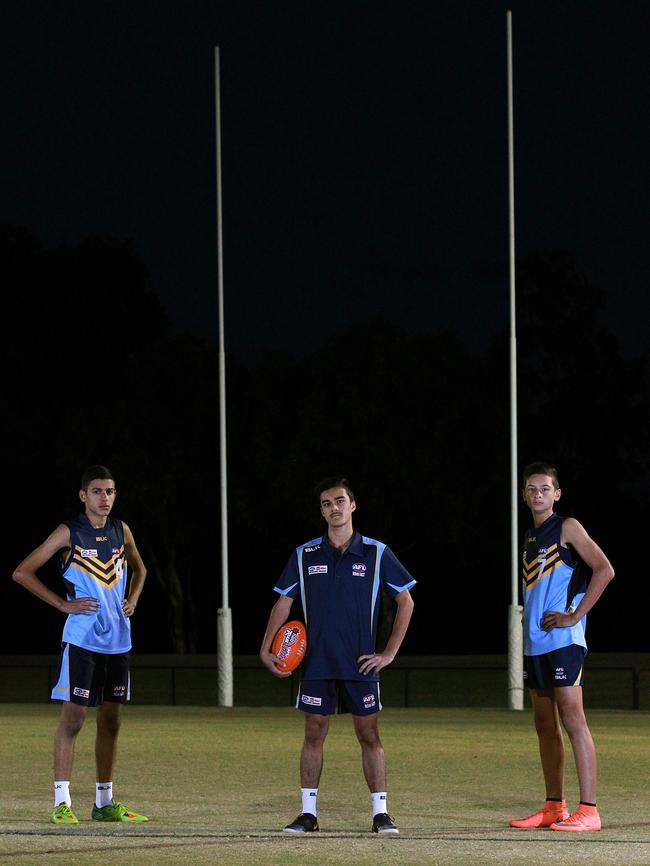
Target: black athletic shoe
x,y
305,823
383,823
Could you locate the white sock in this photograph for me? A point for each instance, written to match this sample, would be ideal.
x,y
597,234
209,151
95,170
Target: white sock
x,y
378,803
103,794
62,793
309,796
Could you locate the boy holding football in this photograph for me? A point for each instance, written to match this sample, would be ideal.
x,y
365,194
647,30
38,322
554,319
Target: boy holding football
x,y
93,550
557,599
337,577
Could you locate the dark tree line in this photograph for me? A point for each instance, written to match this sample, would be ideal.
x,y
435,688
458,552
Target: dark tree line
x,y
419,423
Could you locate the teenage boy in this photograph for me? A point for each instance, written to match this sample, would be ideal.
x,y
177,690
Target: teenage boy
x,y
93,550
338,577
557,599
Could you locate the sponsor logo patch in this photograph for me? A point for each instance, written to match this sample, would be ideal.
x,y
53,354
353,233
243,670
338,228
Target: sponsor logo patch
x,y
288,640
369,701
119,691
312,549
88,553
313,702
318,569
559,674
101,538
81,693
358,569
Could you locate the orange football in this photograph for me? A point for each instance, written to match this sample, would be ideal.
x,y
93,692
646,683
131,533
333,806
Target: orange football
x,y
290,645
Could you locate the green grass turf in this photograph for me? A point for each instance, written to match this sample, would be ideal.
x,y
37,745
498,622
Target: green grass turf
x,y
220,784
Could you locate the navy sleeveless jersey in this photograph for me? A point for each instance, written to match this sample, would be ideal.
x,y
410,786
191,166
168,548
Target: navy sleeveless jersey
x,y
554,578
340,600
96,566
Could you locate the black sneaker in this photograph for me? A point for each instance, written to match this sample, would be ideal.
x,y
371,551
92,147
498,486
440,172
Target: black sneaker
x,y
305,823
383,823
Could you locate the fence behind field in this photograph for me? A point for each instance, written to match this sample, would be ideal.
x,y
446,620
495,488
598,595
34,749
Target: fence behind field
x,y
613,681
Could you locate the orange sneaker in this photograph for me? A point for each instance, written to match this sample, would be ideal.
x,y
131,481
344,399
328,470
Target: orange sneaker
x,y
585,819
551,811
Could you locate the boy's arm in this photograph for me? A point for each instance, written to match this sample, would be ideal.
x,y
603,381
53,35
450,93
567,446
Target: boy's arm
x,y
26,575
278,616
377,661
138,572
575,535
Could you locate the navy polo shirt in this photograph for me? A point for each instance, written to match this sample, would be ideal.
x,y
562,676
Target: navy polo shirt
x,y
340,601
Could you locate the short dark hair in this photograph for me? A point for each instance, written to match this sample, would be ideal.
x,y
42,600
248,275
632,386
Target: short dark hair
x,y
541,468
333,481
91,472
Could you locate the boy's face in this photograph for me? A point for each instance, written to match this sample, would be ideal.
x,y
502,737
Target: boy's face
x,y
540,494
336,506
99,497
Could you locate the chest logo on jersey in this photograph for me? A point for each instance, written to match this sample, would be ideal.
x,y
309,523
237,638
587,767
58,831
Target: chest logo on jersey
x,y
317,569
312,549
542,550
101,538
358,569
88,553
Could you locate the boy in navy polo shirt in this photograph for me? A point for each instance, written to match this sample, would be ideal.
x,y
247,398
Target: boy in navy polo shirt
x,y
556,602
338,578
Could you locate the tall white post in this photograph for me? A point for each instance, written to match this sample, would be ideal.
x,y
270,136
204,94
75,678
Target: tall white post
x,y
515,635
224,616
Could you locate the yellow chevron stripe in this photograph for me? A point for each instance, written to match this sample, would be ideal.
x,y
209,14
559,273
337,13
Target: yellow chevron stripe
x,y
104,579
532,573
552,566
548,571
533,562
577,682
87,565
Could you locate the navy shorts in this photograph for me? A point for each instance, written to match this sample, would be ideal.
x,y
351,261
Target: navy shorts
x,y
89,678
331,697
561,667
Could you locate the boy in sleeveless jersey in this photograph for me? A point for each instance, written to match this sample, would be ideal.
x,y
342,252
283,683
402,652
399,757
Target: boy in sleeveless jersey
x,y
93,550
337,578
556,602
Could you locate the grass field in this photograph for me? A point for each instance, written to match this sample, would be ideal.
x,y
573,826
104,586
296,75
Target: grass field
x,y
220,784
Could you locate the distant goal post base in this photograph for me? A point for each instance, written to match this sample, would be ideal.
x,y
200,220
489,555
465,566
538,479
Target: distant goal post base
x,y
515,658
224,657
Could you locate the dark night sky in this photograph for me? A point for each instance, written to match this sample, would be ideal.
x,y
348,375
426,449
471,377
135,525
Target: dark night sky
x,y
364,154
364,176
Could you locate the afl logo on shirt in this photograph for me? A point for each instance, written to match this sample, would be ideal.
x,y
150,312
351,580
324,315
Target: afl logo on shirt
x,y
358,569
318,569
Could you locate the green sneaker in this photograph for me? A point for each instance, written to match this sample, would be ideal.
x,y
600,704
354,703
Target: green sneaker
x,y
117,812
63,814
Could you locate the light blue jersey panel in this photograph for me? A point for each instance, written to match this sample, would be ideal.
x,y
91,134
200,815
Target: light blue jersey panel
x,y
97,567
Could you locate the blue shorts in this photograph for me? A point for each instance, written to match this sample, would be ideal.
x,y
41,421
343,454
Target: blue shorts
x,y
88,678
331,697
559,668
